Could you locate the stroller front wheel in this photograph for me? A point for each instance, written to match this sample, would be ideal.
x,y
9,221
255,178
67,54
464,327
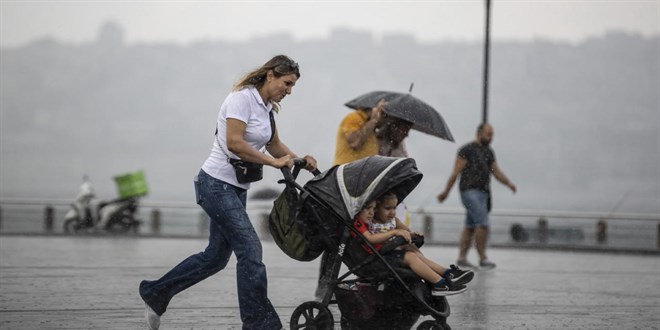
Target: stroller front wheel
x,y
433,325
312,315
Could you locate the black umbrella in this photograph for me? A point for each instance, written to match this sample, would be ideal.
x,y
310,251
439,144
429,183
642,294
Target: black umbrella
x,y
406,107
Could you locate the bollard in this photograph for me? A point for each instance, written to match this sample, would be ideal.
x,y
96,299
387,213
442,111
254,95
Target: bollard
x,y
428,228
155,221
658,237
542,230
518,233
49,219
0,218
601,231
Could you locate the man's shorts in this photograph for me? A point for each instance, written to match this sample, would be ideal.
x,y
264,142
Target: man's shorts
x,y
476,205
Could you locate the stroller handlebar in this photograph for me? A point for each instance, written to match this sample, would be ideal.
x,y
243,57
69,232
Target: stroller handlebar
x,y
298,164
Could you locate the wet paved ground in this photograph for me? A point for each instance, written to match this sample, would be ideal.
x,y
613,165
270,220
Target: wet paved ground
x,y
59,282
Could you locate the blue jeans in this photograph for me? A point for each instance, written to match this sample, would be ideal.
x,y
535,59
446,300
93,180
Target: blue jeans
x,y
230,231
476,205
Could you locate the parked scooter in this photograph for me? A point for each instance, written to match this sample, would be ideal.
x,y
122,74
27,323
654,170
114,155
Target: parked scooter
x,y
116,216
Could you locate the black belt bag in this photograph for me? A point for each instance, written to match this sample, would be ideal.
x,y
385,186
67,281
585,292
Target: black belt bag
x,y
247,172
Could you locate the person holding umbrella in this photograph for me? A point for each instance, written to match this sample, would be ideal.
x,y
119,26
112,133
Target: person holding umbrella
x,y
370,131
475,163
390,133
356,137
393,116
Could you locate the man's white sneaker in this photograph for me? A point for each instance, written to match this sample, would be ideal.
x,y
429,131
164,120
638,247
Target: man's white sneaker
x,y
153,319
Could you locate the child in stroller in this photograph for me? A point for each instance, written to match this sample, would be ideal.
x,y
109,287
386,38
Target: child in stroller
x,y
378,223
371,293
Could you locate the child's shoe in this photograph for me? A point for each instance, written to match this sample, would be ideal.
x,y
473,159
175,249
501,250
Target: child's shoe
x,y
459,276
447,288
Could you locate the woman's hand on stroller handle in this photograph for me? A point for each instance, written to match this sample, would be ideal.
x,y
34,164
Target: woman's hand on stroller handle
x,y
310,164
307,162
285,161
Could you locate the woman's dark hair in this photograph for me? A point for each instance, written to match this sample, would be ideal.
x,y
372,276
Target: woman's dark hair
x,y
388,127
281,65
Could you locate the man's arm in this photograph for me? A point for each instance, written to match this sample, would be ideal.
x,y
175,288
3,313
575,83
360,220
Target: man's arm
x,y
358,137
459,166
499,175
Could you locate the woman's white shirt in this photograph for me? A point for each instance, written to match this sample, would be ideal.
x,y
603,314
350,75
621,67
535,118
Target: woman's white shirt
x,y
247,106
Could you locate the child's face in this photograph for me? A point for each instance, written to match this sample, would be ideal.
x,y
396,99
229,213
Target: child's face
x,y
386,210
367,213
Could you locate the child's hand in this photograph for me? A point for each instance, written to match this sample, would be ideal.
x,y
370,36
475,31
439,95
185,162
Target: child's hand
x,y
405,234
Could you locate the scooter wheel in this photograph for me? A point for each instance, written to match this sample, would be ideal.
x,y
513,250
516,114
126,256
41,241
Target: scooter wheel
x,y
120,225
71,226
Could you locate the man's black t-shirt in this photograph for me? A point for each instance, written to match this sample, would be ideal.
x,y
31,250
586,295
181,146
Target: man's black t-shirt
x,y
476,174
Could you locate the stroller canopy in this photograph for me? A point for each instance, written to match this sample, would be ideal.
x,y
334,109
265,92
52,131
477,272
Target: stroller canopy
x,y
346,188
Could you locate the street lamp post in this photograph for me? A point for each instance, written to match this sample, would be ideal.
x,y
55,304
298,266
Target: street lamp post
x,y
484,104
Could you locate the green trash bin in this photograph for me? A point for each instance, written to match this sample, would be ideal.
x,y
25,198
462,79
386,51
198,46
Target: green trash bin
x,y
131,185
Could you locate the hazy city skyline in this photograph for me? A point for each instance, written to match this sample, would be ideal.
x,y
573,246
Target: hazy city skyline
x,y
427,21
576,124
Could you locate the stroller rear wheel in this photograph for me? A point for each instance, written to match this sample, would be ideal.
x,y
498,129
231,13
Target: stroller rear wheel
x,y
312,315
433,325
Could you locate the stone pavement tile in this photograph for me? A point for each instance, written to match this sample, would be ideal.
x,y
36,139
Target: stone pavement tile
x,y
91,283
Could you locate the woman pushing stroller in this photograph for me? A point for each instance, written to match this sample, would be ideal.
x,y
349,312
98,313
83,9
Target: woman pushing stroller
x,y
378,223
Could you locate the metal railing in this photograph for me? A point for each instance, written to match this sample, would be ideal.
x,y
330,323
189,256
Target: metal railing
x,y
549,229
509,228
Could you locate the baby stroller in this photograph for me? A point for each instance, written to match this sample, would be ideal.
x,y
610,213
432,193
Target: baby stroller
x,y
317,219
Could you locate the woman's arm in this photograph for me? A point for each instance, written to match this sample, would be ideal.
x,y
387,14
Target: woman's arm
x,y
277,148
237,145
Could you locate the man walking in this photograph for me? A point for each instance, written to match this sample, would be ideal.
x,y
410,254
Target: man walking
x,y
475,163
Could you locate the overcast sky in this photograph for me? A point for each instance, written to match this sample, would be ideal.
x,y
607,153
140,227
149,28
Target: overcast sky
x,y
190,21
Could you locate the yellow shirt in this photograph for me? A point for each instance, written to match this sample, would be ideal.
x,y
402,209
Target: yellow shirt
x,y
343,151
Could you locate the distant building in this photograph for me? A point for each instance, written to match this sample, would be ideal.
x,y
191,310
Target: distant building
x,y
111,34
